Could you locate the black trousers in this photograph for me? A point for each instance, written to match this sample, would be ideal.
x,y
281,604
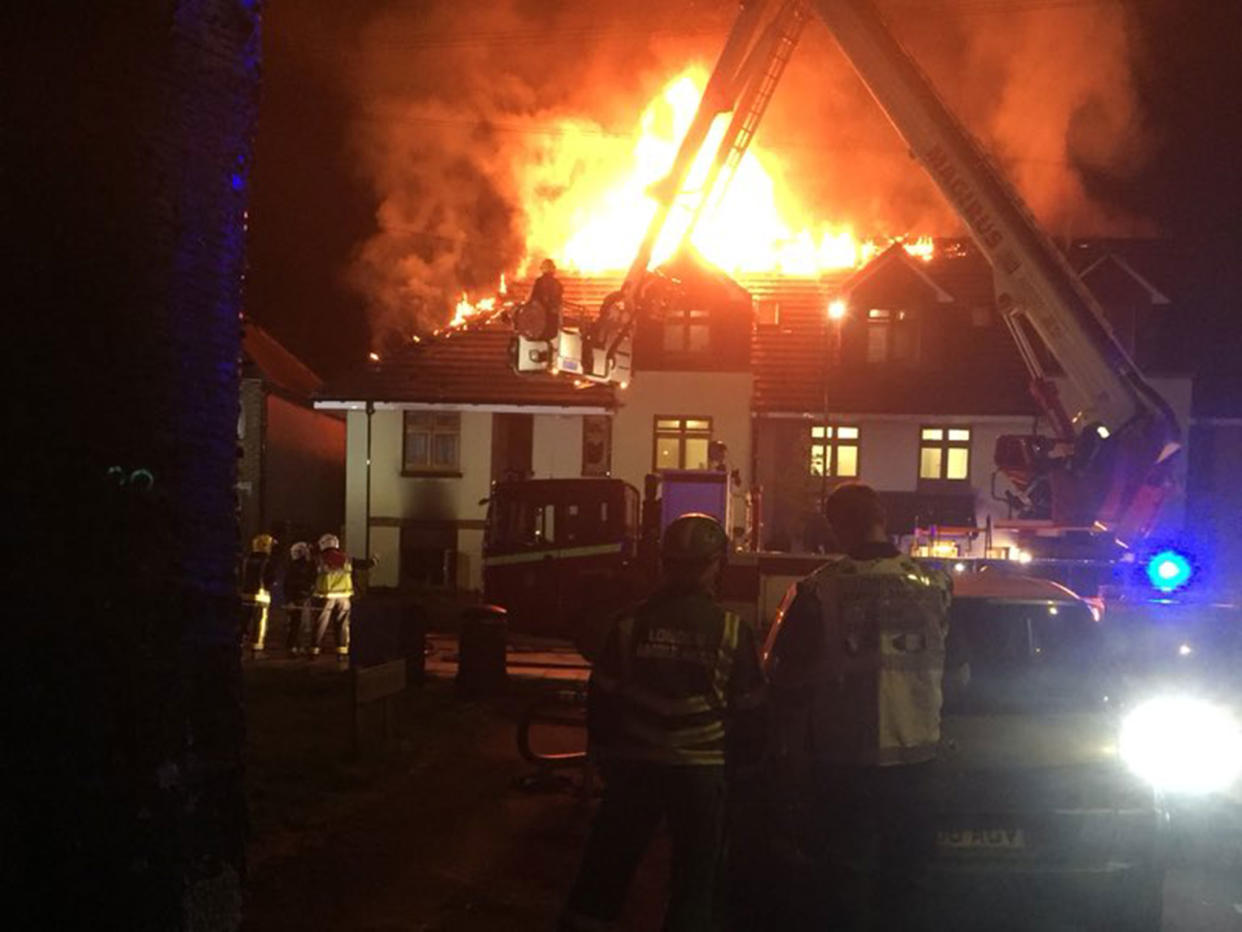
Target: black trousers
x,y
875,833
638,797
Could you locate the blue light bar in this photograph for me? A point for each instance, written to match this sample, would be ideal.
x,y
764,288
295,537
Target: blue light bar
x,y
1169,570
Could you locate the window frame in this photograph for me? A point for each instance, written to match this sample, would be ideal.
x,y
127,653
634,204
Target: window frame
x,y
683,322
894,325
682,433
944,445
431,468
832,443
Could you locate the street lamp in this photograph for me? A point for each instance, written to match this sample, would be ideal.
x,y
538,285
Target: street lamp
x,y
835,315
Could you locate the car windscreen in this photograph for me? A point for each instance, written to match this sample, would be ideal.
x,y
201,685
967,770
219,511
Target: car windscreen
x,y
1004,655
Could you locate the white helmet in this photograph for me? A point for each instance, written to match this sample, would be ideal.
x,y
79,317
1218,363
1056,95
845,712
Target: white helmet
x,y
329,542
300,550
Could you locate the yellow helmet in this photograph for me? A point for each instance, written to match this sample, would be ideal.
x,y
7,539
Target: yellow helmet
x,y
262,543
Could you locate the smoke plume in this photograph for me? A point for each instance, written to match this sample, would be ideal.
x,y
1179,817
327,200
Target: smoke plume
x,y
472,129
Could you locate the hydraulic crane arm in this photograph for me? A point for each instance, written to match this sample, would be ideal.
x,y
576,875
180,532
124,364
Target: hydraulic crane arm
x,y
1035,279
1124,430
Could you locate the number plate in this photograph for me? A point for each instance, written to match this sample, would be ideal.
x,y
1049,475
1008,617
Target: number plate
x,y
981,839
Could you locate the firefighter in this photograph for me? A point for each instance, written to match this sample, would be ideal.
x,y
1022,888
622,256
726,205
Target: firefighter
x,y
674,697
334,591
547,289
877,622
258,576
540,317
299,583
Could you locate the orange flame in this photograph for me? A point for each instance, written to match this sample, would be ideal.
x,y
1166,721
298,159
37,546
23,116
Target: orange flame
x,y
759,226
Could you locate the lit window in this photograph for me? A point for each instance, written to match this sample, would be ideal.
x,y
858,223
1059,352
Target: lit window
x,y
686,331
834,450
682,442
432,442
944,453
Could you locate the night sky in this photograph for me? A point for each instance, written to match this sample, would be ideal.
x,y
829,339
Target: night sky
x,y
314,200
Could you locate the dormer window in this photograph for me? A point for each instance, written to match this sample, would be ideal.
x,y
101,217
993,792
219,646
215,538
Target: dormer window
x,y
890,336
686,331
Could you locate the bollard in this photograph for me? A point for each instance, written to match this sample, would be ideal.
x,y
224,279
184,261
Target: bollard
x,y
481,651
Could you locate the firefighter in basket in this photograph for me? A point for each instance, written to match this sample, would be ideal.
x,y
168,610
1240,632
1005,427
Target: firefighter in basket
x,y
540,317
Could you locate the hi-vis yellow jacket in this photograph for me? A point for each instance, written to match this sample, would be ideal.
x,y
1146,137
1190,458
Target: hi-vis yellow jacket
x,y
677,682
874,663
334,575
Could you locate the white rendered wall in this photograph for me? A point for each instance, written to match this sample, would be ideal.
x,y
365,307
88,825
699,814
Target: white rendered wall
x,y
725,397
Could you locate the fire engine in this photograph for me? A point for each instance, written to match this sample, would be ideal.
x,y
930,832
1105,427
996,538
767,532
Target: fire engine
x,y
1107,468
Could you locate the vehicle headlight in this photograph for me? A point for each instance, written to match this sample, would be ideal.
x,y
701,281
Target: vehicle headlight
x,y
1182,745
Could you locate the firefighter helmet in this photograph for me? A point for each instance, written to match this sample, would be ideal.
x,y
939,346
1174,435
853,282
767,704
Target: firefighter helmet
x,y
694,537
547,267
262,543
300,550
329,542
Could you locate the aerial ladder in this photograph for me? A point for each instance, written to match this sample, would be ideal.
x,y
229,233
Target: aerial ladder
x,y
1110,465
742,82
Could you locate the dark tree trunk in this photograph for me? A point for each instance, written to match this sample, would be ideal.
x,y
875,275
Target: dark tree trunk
x,y
125,163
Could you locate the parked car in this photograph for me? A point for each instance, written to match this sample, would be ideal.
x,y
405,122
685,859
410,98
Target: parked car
x,y
1036,821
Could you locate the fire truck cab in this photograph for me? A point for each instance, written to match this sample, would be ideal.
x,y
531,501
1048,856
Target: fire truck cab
x,y
556,551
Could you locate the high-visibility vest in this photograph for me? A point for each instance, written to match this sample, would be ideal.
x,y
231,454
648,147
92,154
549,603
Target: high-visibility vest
x,y
877,689
335,580
666,677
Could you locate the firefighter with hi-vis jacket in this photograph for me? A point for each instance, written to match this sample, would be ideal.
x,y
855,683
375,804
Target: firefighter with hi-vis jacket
x,y
258,576
300,575
862,642
674,706
334,592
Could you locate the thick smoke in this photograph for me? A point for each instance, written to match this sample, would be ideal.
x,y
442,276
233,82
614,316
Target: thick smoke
x,y
463,124
1045,85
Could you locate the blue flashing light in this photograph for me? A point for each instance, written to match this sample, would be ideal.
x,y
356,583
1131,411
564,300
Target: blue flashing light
x,y
1169,570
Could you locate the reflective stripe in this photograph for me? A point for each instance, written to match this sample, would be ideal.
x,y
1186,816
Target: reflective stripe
x,y
713,757
507,559
262,597
670,708
667,729
650,701
676,737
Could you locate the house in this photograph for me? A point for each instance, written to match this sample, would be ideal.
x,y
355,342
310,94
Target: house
x,y
431,427
907,388
291,458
